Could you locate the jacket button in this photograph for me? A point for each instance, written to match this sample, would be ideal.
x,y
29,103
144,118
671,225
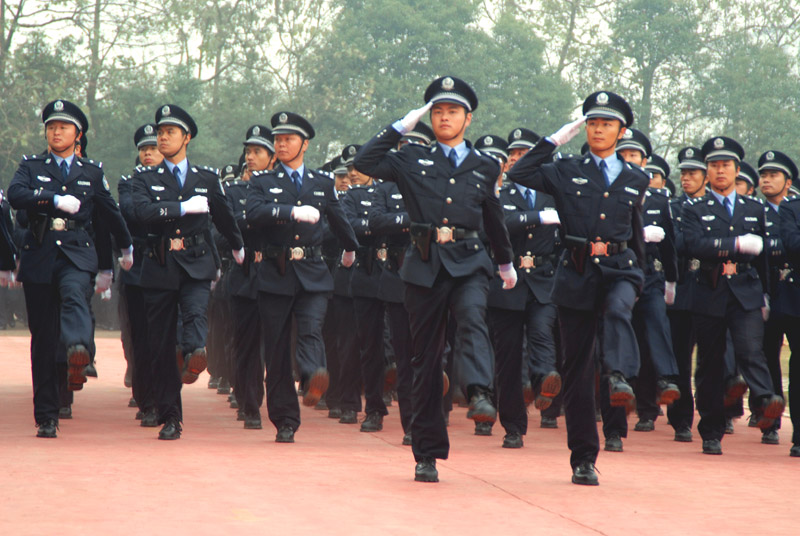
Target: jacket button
x,y
63,188
477,246
297,237
452,181
605,194
578,192
630,263
530,235
596,260
445,221
448,200
423,172
731,227
58,242
299,203
180,198
177,231
602,216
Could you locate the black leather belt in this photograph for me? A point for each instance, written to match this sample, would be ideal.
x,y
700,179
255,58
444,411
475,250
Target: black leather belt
x,y
179,243
293,253
726,268
451,234
604,249
529,262
64,224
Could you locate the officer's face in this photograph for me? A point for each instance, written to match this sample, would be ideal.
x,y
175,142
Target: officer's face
x,y
341,182
516,154
449,120
657,180
356,177
61,136
149,155
743,187
692,181
773,183
288,147
258,158
722,175
602,133
172,139
633,156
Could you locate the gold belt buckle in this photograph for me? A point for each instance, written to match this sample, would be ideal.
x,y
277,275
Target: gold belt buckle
x,y
444,235
258,256
297,254
729,268
58,224
694,265
176,244
783,275
382,254
657,266
526,262
599,249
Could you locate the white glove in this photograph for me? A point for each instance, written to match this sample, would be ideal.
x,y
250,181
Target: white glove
x,y
348,258
412,118
509,275
216,279
766,309
654,234
567,132
6,278
305,214
126,261
106,295
238,255
749,244
197,204
68,203
669,292
549,217
103,281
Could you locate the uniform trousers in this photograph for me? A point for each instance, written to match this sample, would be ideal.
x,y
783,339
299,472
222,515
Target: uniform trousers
x,y
400,337
369,315
681,412
133,297
247,351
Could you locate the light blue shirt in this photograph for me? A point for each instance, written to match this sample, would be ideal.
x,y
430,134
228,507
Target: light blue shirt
x,y
721,198
183,166
301,170
524,191
69,159
773,206
614,164
461,151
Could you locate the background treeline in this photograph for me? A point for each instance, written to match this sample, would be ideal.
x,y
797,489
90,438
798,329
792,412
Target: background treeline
x,y
691,68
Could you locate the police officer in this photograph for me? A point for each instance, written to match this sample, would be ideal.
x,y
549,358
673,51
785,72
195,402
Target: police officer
x,y
777,172
60,192
599,198
284,206
726,232
132,293
448,191
173,201
746,180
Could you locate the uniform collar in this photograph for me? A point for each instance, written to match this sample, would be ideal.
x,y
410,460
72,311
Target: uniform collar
x,y
301,170
721,198
70,159
183,165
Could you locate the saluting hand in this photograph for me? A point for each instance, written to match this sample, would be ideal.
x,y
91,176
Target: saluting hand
x,y
412,118
567,132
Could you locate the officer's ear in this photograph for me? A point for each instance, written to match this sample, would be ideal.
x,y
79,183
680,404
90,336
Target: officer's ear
x,y
644,161
305,145
621,133
468,119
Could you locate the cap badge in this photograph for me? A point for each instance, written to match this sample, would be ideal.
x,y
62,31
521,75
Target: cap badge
x,y
719,143
351,151
517,134
148,129
689,153
488,140
165,110
628,134
602,99
229,169
448,84
770,156
58,106
283,118
256,131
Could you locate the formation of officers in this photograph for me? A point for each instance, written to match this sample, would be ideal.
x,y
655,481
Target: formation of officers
x,y
525,275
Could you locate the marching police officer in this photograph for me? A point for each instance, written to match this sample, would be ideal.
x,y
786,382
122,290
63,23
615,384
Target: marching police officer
x,y
284,206
599,198
173,201
448,190
60,193
726,232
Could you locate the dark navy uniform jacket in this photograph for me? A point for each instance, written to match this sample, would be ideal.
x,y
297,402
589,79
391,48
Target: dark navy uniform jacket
x,y
710,234
686,265
358,205
8,249
437,195
787,296
270,199
589,209
528,238
157,198
137,230
37,180
390,221
243,279
656,211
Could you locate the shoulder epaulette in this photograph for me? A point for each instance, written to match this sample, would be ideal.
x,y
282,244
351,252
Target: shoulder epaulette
x,y
142,169
791,198
33,157
96,163
754,198
260,172
208,169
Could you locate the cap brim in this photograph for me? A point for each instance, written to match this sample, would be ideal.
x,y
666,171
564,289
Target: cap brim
x,y
606,113
452,98
263,142
521,144
774,166
692,165
716,156
65,118
656,169
290,129
176,122
496,152
147,140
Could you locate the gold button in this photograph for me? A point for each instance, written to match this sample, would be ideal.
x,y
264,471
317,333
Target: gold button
x,y
297,237
448,200
423,172
63,188
630,263
58,242
477,246
527,270
180,197
602,216
596,260
177,231
731,227
299,203
530,235
527,253
445,221
452,181
605,194
578,192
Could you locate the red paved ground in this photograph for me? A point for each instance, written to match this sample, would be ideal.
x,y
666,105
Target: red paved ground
x,y
106,475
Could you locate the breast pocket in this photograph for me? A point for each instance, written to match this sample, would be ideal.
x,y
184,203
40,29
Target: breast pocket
x,y
625,208
577,200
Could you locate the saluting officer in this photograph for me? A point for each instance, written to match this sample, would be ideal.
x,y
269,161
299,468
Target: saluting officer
x,y
599,198
284,206
173,201
60,193
777,173
449,191
525,312
132,293
726,232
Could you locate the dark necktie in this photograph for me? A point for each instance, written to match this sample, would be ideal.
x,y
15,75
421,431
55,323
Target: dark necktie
x,y
727,204
604,169
453,158
298,182
529,198
177,172
64,170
